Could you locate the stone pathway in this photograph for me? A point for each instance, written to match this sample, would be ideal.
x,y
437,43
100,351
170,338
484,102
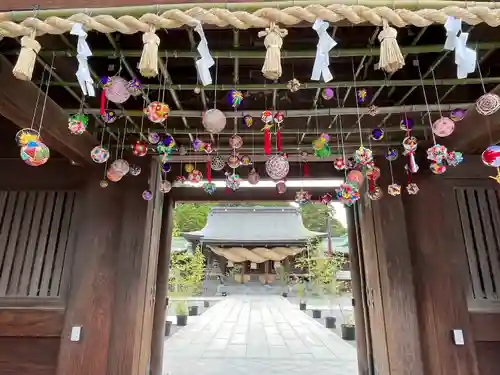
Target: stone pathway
x,y
257,335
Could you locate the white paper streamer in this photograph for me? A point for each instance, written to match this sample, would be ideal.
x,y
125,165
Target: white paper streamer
x,y
325,44
83,53
206,61
456,40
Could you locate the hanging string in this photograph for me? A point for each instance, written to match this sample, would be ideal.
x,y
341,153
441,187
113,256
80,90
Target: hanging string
x,y
107,160
358,120
426,102
46,92
342,139
216,79
37,101
437,93
124,136
144,101
117,144
486,117
390,171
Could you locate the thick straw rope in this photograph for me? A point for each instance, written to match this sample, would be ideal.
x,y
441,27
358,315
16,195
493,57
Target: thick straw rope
x,y
243,20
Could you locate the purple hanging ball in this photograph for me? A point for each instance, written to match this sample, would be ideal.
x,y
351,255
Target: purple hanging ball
x,y
377,134
166,167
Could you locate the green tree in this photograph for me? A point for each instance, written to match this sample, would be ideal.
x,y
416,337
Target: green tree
x,y
315,218
190,217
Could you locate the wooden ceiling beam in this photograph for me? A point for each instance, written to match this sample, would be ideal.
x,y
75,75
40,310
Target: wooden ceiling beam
x,y
18,103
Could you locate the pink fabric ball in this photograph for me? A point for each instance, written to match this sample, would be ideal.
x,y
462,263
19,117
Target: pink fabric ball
x,y
443,127
117,90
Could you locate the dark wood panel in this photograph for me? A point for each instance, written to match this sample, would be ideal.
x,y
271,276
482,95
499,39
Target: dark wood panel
x,y
488,358
486,326
28,356
34,233
21,322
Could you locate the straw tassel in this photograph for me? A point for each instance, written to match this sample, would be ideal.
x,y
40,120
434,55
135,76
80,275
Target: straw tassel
x,y
27,57
148,66
273,41
391,58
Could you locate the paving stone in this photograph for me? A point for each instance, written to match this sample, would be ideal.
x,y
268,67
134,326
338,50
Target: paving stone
x,y
257,334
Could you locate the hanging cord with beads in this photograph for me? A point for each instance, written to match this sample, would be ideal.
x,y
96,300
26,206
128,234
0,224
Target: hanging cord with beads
x,y
425,99
46,92
342,140
104,177
408,135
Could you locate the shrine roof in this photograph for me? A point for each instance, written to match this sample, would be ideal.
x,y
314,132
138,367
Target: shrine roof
x,y
238,225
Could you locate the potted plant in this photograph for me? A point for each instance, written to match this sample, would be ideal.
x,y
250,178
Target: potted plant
x,y
347,328
193,310
181,312
300,293
206,304
168,327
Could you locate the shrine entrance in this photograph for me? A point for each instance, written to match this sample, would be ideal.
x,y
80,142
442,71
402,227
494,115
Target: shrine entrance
x,y
111,116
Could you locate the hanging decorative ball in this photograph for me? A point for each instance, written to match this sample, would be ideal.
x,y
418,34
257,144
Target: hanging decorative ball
x,y
157,112
325,198
412,188
196,90
214,121
140,148
167,144
209,187
318,144
233,181
350,163
267,117
103,183
361,95
454,158
394,189
406,124
373,174
437,153
323,152
24,136
363,156
217,163
121,165
375,194
117,89
443,127
391,154
488,104
327,93
347,193
99,154
356,177
165,158
233,161
279,118
302,197
35,153
189,168
377,134
77,123
253,177
234,97
135,170
277,167
491,156
410,144
198,145
195,176
109,117
437,168
179,181
134,87
182,150
373,110
153,138
208,148
165,186
304,155
245,160
113,175
247,121
293,85
281,187
166,167
147,195
457,114
235,142
339,164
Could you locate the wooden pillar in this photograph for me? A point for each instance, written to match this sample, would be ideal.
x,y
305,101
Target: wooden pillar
x,y
363,344
110,296
158,339
390,281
